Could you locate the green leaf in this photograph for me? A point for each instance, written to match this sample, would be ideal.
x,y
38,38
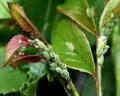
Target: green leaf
x,y
98,7
116,56
4,12
79,11
37,71
19,15
73,47
10,80
108,9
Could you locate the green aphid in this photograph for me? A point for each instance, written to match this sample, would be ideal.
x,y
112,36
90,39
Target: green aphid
x,y
109,20
50,48
116,20
66,74
63,66
40,43
46,49
59,70
53,65
107,32
103,30
68,86
88,12
101,60
102,44
70,46
111,25
52,54
99,52
36,46
106,49
46,55
57,59
102,38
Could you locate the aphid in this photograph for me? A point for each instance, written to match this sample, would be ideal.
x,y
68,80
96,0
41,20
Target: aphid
x,y
57,59
107,32
101,60
51,54
102,44
41,44
46,55
99,52
88,12
111,25
59,70
68,86
102,31
102,38
50,48
70,46
63,66
53,65
106,49
66,74
36,46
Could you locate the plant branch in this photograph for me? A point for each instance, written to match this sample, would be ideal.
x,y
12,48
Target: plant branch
x,y
69,87
57,66
99,79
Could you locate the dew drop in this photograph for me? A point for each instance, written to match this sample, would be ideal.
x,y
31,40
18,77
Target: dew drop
x,y
20,41
20,53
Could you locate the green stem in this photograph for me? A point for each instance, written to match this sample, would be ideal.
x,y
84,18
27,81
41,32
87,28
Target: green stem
x,y
100,81
99,74
73,89
69,87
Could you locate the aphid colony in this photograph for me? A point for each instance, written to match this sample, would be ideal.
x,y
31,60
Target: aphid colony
x,y
102,39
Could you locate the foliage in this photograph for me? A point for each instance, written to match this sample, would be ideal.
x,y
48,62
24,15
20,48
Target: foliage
x,y
57,42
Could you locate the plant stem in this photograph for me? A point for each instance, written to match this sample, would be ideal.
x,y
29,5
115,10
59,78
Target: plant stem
x,y
99,81
71,90
99,74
